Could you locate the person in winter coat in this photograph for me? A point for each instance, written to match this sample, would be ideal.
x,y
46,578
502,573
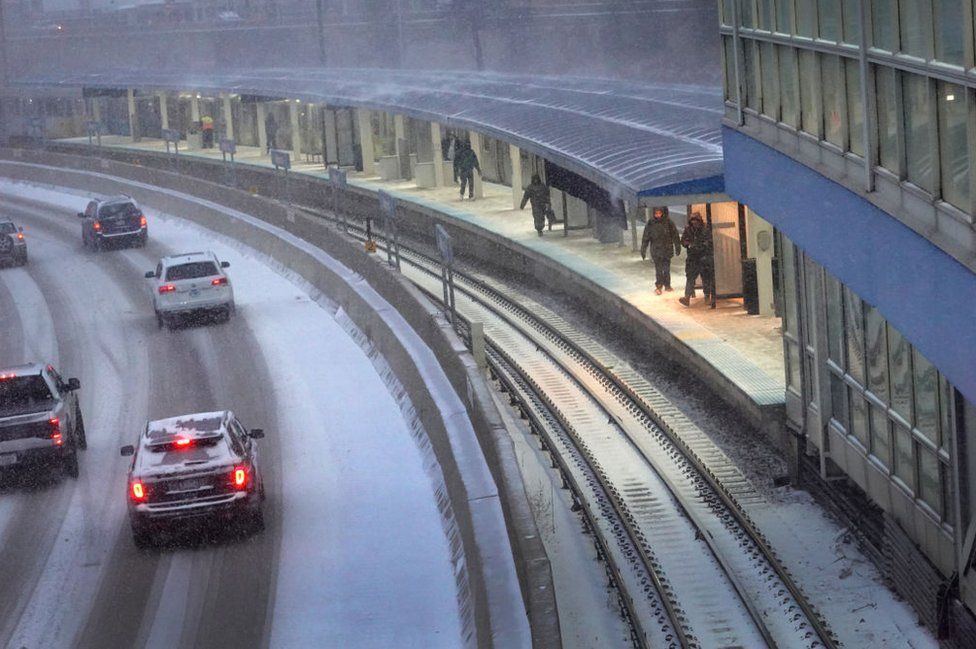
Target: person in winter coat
x,y
538,194
270,131
697,238
661,237
465,163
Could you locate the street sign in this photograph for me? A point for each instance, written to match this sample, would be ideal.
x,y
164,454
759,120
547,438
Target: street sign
x,y
229,147
171,135
388,205
338,177
280,159
445,245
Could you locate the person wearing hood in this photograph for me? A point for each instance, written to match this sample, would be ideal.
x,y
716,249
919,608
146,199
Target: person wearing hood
x,y
538,195
697,238
661,238
465,164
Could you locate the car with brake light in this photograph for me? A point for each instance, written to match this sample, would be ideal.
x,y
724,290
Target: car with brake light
x,y
111,220
13,244
190,284
40,419
202,466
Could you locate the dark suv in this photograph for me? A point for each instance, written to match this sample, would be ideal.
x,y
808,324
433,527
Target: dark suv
x,y
202,466
113,219
13,247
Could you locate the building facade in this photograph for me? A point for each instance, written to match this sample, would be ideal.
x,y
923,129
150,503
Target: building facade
x,y
850,126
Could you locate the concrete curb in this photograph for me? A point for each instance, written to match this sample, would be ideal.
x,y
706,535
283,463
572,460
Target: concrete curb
x,y
494,523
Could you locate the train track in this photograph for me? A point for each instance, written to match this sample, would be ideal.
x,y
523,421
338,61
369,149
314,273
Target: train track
x,y
669,510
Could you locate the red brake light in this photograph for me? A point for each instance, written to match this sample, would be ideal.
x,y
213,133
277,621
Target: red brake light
x,y
219,281
55,431
167,288
138,491
97,226
183,441
4,377
20,236
240,477
142,221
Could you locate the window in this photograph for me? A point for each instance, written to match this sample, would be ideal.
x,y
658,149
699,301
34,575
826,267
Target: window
x,y
790,323
859,418
747,14
810,93
877,353
727,8
919,131
929,480
767,15
852,21
953,144
728,58
838,400
900,365
885,24
949,31
927,417
915,18
880,435
854,326
770,84
888,118
192,270
784,16
904,456
789,89
855,107
806,18
835,321
834,110
750,51
829,14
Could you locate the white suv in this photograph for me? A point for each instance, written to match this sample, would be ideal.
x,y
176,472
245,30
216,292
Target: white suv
x,y
190,284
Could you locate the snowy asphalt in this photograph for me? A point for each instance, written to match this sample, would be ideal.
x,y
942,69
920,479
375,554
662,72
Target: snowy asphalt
x,y
340,467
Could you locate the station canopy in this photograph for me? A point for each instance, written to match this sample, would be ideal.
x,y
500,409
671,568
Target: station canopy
x,y
634,140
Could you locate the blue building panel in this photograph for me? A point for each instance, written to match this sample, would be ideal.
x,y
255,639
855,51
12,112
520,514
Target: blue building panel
x,y
925,293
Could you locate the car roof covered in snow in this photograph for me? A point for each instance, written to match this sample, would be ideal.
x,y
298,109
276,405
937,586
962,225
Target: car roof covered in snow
x,y
206,443
23,369
187,258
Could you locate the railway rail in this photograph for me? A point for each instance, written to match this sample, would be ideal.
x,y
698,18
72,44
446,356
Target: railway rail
x,y
668,509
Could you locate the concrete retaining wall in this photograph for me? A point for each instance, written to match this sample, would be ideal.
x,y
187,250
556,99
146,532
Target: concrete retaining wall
x,y
484,515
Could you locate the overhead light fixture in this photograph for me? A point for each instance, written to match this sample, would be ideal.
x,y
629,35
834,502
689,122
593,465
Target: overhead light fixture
x,y
950,97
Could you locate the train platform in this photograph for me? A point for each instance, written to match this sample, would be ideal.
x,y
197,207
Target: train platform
x,y
747,350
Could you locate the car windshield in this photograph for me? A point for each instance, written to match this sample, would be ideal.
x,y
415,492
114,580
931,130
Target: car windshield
x,y
22,393
7,228
118,209
191,270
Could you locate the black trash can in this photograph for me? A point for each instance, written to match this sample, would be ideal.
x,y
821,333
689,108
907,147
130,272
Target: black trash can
x,y
750,286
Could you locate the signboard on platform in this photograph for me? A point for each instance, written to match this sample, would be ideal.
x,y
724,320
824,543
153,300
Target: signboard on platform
x,y
171,135
388,205
228,146
445,245
280,159
338,177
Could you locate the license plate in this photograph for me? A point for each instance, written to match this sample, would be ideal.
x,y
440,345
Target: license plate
x,y
8,459
194,292
190,484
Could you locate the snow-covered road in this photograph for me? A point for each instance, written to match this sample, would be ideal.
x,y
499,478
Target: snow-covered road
x,y
354,554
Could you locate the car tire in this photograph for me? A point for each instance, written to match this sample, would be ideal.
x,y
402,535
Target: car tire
x,y
143,238
80,430
23,259
257,520
160,321
69,464
141,537
96,245
227,313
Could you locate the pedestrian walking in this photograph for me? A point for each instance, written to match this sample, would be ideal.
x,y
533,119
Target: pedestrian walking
x,y
661,238
207,126
270,131
697,238
537,194
465,164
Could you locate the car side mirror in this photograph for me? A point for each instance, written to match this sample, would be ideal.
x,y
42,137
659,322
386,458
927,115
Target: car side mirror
x,y
81,215
225,264
74,384
127,450
150,274
256,433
